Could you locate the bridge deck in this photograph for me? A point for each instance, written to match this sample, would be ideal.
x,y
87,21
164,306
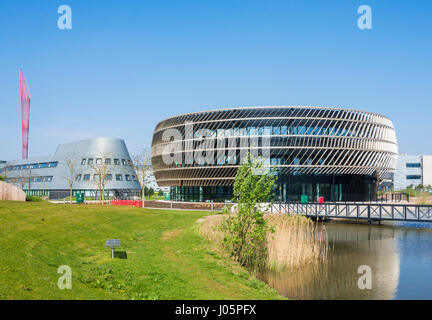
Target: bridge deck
x,y
369,211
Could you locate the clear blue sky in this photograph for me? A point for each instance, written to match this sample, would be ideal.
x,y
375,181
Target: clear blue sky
x,y
126,65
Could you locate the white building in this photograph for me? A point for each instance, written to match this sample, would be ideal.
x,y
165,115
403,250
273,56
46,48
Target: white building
x,y
413,170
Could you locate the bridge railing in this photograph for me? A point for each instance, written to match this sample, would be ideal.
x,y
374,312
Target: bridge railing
x,y
369,211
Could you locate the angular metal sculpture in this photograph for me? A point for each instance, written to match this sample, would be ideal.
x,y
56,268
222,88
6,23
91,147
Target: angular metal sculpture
x,y
25,113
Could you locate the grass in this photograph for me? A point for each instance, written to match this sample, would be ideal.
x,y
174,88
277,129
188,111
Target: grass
x,y
166,256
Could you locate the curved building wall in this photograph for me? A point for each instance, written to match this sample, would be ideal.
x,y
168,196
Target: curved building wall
x,y
308,146
49,174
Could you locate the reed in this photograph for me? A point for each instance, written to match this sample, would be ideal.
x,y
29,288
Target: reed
x,y
297,241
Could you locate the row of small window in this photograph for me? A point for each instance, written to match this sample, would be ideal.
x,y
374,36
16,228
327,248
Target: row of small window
x,y
108,177
32,166
27,179
290,130
98,161
413,177
413,165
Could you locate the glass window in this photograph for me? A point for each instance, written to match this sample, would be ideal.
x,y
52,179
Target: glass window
x,y
96,177
48,179
90,161
108,161
52,164
108,177
413,165
134,178
25,166
34,166
124,162
130,162
119,177
413,177
43,165
83,162
116,162
86,177
127,177
78,177
37,179
98,161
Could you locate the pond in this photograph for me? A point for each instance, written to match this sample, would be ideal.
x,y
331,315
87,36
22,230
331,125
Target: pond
x,y
399,257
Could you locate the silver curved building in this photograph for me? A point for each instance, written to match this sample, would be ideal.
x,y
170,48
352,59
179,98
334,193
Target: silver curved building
x,y
93,160
335,153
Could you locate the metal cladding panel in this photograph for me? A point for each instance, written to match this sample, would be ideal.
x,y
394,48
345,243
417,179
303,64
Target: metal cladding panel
x,y
305,140
77,151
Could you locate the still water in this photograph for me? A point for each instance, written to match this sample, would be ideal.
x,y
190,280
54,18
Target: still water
x,y
400,257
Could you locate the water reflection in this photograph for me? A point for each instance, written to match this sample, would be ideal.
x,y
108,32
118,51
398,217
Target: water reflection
x,y
400,259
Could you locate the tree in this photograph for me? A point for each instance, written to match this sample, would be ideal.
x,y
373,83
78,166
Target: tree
x,y
22,179
101,169
69,175
142,164
246,230
148,191
4,174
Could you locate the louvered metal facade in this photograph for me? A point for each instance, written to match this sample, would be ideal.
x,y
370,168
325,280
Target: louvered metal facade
x,y
345,151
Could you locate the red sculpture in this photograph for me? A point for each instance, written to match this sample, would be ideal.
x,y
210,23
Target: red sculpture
x,y
25,113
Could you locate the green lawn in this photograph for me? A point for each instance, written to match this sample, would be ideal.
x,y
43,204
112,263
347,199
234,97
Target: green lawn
x,y
166,256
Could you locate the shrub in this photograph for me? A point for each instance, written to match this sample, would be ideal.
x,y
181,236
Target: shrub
x,y
33,199
2,178
148,191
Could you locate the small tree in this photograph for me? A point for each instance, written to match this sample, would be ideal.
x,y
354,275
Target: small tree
x,y
245,232
101,169
142,163
22,179
69,176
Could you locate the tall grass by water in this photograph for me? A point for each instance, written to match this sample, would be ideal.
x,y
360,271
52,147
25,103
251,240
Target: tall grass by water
x,y
297,240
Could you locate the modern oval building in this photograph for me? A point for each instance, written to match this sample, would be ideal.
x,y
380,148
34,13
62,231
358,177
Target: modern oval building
x,y
336,153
